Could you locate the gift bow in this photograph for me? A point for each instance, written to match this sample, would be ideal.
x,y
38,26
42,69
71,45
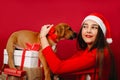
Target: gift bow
x,y
52,34
34,47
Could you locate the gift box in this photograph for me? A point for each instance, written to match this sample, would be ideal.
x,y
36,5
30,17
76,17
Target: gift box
x,y
14,72
31,58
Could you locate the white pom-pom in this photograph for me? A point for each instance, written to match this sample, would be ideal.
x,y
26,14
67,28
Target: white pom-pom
x,y
109,40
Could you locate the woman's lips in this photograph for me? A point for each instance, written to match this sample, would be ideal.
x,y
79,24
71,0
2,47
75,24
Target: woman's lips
x,y
88,36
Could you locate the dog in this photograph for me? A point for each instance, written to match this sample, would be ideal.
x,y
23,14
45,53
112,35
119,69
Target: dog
x,y
19,39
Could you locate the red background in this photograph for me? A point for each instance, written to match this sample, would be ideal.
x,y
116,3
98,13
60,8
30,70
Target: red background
x,y
32,14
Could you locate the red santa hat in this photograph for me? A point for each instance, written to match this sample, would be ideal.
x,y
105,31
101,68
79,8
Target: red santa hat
x,y
103,23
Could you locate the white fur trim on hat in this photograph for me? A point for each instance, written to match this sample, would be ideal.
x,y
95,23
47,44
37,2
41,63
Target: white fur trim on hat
x,y
98,20
109,40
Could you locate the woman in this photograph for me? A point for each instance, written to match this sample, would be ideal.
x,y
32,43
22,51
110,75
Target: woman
x,y
94,59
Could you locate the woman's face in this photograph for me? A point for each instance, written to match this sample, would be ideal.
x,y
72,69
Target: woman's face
x,y
89,32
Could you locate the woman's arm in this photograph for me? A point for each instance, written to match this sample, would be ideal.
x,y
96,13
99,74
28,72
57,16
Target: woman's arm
x,y
79,63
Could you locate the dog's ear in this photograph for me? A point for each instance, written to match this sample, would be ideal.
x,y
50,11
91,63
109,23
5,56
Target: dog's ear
x,y
60,29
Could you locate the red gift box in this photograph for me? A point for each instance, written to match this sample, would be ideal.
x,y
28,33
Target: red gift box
x,y
14,72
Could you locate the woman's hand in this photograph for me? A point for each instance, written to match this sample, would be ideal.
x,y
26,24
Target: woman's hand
x,y
45,29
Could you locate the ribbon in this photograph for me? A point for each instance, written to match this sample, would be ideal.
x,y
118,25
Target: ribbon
x,y
52,34
34,47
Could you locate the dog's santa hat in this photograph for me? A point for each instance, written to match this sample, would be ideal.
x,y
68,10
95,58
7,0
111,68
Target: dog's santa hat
x,y
103,23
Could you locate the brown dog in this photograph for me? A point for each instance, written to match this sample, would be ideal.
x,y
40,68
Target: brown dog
x,y
20,38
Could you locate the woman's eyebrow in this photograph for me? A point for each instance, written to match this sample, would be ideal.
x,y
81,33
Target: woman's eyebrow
x,y
95,24
85,24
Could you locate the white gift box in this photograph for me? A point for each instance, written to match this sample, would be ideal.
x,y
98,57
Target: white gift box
x,y
31,58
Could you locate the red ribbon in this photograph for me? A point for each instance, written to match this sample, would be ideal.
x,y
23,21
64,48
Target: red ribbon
x,y
52,34
34,47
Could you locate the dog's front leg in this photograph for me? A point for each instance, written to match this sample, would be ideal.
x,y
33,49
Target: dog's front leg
x,y
45,66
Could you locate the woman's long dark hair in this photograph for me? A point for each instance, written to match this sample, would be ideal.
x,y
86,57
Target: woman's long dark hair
x,y
100,43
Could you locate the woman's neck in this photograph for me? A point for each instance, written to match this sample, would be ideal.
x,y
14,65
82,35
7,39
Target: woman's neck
x,y
89,46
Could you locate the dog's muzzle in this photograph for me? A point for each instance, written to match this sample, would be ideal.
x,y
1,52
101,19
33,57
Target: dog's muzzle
x,y
73,36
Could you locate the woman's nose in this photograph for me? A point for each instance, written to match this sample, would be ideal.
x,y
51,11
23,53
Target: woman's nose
x,y
88,30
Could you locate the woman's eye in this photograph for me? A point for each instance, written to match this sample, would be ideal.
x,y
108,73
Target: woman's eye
x,y
95,27
84,26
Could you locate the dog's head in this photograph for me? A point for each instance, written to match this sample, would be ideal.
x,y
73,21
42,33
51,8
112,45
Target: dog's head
x,y
61,31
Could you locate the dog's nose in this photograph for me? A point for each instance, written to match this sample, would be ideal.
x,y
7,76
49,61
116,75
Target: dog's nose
x,y
73,36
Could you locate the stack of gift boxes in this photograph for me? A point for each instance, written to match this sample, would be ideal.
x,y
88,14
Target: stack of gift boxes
x,y
31,62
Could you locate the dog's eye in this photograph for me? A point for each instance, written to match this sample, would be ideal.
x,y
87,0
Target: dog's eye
x,y
69,29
